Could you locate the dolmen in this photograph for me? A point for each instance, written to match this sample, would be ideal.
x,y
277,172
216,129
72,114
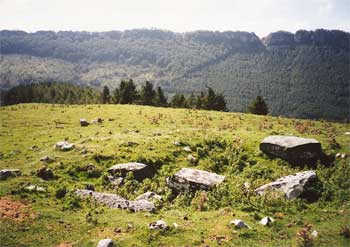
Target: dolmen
x,y
292,186
295,150
188,179
139,170
6,173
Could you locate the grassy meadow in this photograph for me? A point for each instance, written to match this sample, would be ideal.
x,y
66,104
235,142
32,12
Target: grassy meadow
x,y
224,143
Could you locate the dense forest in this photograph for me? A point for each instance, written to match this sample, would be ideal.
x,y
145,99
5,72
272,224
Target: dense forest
x,y
126,93
305,74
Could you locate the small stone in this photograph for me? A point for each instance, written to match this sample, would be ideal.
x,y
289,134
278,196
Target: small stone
x,y
45,173
159,224
64,146
35,188
246,185
338,155
105,243
343,156
239,224
266,221
314,234
191,158
46,159
347,133
83,122
175,225
6,173
187,149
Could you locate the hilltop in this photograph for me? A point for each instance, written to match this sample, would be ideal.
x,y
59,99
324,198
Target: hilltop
x,y
308,68
47,212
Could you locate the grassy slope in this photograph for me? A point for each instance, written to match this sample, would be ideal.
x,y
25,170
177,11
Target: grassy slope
x,y
154,130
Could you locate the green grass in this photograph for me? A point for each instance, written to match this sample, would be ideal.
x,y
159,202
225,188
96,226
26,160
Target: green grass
x,y
226,143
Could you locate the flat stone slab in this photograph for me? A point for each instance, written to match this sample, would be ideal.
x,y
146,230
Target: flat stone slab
x,y
6,173
189,179
295,150
139,170
115,201
64,146
292,185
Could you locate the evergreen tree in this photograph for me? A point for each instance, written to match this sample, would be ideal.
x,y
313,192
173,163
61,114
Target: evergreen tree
x,y
128,93
161,100
105,95
211,99
258,106
191,101
147,94
178,101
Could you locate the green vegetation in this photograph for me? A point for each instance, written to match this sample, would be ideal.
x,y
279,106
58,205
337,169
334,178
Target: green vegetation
x,y
287,70
225,143
258,106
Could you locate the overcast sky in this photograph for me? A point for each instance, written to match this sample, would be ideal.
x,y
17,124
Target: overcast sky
x,y
259,16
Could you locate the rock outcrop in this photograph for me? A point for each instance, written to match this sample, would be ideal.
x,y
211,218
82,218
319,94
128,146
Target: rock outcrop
x,y
188,179
139,170
292,186
6,173
295,150
115,201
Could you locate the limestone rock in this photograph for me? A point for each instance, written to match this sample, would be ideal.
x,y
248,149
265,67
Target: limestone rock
x,y
292,185
115,201
158,225
187,149
35,188
295,150
150,196
64,146
139,170
193,179
105,243
239,224
6,173
266,221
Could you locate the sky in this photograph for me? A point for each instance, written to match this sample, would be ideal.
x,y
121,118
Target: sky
x,y
259,16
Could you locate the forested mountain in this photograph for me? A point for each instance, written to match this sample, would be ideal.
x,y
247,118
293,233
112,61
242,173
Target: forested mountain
x,y
305,74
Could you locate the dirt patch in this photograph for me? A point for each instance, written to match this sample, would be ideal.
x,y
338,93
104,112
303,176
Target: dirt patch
x,y
64,244
15,210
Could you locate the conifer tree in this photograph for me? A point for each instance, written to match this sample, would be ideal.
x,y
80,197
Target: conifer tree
x,y
258,106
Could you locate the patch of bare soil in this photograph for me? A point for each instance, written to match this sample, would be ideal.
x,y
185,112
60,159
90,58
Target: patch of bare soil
x,y
15,210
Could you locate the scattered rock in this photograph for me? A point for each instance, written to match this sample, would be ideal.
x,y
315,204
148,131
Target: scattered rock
x,y
45,173
35,188
295,150
266,221
150,196
139,170
191,158
338,155
343,156
83,122
64,146
246,185
347,133
6,173
158,225
46,159
314,234
187,149
292,185
105,243
189,179
175,225
115,201
177,143
239,224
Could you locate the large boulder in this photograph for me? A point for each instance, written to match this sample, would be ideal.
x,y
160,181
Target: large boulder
x,y
115,201
139,170
295,150
6,173
292,186
188,179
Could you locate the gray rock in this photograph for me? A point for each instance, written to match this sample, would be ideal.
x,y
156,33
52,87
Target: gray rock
x,y
150,196
158,225
295,150
45,173
187,149
189,179
139,170
239,224
105,243
266,221
115,201
46,159
64,146
83,122
292,185
6,173
35,188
